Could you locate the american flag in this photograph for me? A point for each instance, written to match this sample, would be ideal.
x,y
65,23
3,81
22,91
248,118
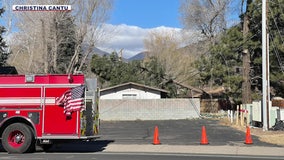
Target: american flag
x,y
72,100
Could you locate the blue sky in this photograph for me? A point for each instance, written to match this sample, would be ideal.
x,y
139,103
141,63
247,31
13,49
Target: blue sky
x,y
146,13
131,21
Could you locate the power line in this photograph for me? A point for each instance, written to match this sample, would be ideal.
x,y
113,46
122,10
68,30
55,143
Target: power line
x,y
277,55
276,51
276,24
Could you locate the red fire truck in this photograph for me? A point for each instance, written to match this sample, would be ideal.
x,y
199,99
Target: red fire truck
x,y
45,109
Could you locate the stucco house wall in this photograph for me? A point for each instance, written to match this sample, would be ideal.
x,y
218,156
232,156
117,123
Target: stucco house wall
x,y
132,91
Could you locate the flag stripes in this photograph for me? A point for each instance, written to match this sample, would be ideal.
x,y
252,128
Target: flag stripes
x,y
72,100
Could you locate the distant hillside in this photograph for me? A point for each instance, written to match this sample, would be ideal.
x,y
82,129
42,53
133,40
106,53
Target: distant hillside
x,y
97,51
139,56
195,49
100,52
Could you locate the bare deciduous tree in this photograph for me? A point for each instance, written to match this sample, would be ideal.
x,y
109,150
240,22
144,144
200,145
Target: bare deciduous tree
x,y
90,15
166,47
39,36
207,16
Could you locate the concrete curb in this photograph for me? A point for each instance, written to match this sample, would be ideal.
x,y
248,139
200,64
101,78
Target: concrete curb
x,y
200,149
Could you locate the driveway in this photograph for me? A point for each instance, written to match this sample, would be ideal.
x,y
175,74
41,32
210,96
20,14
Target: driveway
x,y
173,132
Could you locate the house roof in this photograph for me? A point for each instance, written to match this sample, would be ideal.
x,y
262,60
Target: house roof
x,y
132,84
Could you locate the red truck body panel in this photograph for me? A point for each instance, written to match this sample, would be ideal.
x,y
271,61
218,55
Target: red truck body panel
x,y
33,98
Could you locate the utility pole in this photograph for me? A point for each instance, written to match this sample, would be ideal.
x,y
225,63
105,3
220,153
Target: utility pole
x,y
246,86
265,69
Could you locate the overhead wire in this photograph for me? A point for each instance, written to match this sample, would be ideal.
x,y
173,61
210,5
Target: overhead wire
x,y
257,25
275,49
281,65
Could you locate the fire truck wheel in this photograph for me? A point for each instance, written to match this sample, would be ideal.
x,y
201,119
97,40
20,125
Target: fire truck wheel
x,y
17,138
32,147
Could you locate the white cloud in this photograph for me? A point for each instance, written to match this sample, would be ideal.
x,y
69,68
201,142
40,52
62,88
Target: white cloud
x,y
130,38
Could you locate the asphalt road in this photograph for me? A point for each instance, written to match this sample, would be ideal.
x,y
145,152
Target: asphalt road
x,y
128,156
173,132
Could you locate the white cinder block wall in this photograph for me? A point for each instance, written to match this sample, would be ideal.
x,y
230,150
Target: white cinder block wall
x,y
149,109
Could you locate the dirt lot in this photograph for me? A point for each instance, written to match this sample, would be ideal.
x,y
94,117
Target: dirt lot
x,y
274,137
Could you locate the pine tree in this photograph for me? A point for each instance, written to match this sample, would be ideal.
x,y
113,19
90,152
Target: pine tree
x,y
62,45
220,66
3,46
276,51
223,64
111,71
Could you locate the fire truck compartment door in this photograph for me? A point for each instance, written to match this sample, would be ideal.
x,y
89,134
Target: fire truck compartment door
x,y
55,122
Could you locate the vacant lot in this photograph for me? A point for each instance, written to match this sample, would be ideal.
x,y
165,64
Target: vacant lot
x,y
174,132
273,137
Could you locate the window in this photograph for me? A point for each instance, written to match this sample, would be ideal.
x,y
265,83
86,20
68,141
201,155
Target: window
x,y
129,96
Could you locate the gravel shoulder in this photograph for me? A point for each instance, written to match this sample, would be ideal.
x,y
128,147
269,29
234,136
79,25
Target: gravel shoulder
x,y
272,137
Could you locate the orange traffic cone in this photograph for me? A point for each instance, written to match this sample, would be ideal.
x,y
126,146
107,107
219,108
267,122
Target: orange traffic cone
x,y
204,139
156,140
248,137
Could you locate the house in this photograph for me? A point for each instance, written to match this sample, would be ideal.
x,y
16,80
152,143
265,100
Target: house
x,y
133,101
132,90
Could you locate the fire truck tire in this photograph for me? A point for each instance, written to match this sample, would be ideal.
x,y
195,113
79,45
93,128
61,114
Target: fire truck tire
x,y
32,147
17,138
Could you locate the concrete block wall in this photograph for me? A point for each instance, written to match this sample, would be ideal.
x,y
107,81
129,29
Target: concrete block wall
x,y
149,109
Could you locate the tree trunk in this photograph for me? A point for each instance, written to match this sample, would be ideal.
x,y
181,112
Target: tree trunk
x,y
246,86
55,48
44,45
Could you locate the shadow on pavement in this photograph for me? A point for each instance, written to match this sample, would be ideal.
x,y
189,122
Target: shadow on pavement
x,y
75,147
81,146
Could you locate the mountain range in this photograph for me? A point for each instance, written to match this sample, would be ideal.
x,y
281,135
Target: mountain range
x,y
193,50
138,56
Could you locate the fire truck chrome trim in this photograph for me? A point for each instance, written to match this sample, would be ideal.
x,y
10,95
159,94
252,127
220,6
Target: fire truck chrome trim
x,y
59,137
39,85
23,101
42,94
67,137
